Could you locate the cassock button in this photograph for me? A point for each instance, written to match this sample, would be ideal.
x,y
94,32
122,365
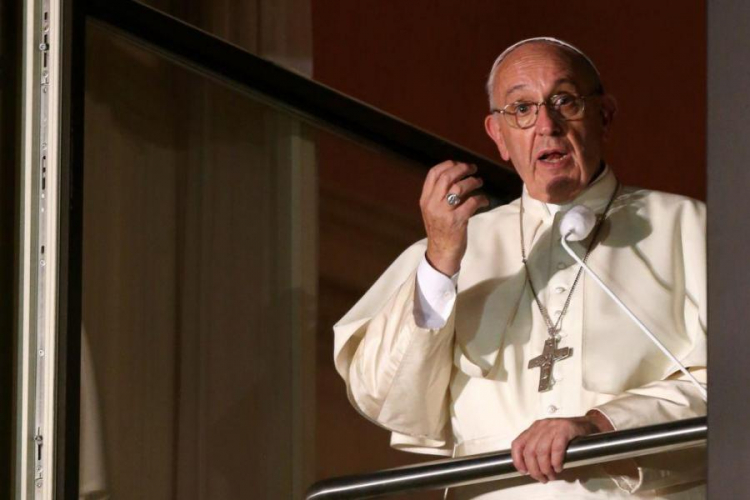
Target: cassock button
x,y
551,409
560,289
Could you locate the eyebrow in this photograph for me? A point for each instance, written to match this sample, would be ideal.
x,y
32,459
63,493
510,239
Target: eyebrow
x,y
514,88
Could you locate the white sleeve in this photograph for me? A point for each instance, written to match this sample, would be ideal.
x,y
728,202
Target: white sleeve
x,y
436,294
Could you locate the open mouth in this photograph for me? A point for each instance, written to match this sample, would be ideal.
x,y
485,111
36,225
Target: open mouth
x,y
553,156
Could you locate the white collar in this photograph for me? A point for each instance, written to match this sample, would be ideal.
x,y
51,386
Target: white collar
x,y
596,193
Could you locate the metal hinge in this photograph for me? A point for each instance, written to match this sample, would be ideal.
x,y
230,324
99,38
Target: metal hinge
x,y
38,468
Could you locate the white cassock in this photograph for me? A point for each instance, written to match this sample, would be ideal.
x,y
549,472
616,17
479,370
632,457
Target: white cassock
x,y
464,387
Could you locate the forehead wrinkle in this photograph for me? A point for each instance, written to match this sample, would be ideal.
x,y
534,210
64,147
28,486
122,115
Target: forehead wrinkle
x,y
557,83
523,62
565,79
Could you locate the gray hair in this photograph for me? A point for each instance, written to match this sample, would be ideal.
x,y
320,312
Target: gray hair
x,y
542,39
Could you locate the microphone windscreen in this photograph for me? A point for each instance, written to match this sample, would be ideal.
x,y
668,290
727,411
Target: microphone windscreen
x,y
577,223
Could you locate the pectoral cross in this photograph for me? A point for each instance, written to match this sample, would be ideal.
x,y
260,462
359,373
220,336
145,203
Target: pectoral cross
x,y
546,361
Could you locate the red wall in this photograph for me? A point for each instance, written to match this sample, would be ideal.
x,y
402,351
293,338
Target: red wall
x,y
426,61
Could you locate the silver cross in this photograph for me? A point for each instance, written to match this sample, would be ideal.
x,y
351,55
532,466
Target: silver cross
x,y
546,361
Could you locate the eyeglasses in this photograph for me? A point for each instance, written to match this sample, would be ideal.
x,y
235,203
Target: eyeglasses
x,y
523,114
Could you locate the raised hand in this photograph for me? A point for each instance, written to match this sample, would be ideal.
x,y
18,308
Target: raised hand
x,y
446,224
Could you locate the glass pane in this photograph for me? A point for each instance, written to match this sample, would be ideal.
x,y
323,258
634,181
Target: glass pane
x,y
197,283
223,237
279,30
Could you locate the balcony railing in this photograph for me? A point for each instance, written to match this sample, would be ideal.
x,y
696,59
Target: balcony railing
x,y
597,448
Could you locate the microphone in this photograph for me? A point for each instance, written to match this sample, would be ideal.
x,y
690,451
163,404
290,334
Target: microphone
x,y
577,223
575,226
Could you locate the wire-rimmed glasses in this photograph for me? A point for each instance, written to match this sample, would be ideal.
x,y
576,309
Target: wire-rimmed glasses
x,y
523,114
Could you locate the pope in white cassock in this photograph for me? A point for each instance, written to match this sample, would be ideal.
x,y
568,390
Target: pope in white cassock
x,y
444,349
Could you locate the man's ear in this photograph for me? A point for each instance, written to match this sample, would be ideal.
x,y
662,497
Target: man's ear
x,y
608,111
492,127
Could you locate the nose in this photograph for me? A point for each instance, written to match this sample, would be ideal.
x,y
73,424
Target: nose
x,y
547,122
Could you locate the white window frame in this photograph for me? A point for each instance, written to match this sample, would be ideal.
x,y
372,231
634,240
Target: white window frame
x,y
38,262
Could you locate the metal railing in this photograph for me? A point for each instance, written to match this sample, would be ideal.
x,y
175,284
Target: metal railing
x,y
597,448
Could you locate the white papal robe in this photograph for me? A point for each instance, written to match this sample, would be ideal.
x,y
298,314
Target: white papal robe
x,y
465,388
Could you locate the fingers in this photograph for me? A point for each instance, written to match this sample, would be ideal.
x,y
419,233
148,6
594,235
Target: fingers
x,y
536,456
446,180
471,204
557,455
531,460
432,176
466,186
516,451
540,450
543,459
442,176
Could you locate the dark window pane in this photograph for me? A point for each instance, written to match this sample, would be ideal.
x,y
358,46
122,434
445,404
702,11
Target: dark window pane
x,y
223,236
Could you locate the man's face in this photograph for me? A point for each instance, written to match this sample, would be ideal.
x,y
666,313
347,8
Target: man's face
x,y
556,159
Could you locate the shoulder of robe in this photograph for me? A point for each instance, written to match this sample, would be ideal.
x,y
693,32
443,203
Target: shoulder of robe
x,y
661,207
649,198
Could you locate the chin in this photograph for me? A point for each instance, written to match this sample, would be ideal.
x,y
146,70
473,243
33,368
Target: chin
x,y
562,189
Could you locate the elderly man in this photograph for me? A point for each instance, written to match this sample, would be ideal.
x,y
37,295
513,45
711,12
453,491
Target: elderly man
x,y
445,349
